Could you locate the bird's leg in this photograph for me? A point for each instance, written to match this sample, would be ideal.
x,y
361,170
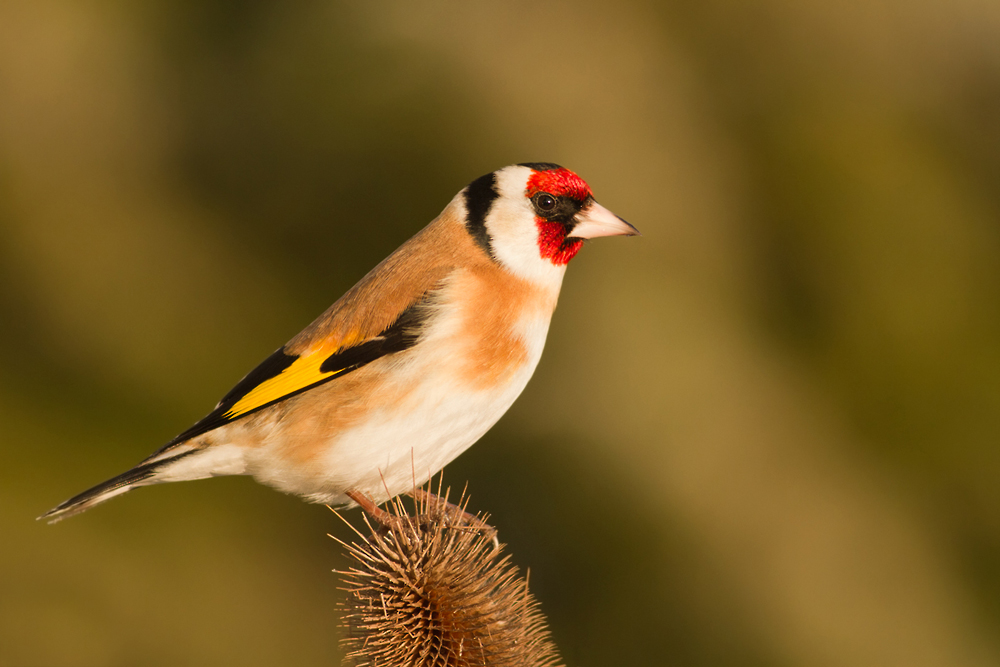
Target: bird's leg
x,y
435,508
368,505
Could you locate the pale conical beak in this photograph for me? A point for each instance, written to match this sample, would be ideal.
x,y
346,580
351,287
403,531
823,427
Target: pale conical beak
x,y
595,221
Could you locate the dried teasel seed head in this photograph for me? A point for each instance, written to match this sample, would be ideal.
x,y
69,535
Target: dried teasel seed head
x,y
431,591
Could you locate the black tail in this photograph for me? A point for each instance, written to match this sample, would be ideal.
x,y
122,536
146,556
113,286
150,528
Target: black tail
x,y
109,489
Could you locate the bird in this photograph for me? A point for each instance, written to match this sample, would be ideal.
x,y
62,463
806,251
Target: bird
x,y
410,367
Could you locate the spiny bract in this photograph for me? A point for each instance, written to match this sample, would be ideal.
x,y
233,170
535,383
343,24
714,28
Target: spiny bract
x,y
430,591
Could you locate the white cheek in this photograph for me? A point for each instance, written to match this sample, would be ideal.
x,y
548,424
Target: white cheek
x,y
514,235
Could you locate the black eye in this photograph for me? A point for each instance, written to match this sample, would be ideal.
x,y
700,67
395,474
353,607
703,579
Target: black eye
x,y
545,202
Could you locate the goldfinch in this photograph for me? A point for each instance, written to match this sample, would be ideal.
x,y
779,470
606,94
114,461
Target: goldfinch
x,y
407,369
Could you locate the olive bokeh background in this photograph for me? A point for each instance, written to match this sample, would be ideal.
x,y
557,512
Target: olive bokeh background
x,y
764,433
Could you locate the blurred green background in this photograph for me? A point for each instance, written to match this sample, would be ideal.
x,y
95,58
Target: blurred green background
x,y
765,433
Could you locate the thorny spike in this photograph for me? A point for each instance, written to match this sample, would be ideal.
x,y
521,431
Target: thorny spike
x,y
430,591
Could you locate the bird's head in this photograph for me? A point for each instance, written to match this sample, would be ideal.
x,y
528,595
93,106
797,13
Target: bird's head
x,y
534,217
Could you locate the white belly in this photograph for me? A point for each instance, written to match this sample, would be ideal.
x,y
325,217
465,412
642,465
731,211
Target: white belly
x,y
394,452
402,445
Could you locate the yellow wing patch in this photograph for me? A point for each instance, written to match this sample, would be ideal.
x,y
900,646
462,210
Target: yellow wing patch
x,y
303,372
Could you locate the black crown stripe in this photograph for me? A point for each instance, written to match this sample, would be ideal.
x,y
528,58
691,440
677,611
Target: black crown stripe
x,y
540,166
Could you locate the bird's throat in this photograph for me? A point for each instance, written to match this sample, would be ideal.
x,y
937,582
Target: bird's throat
x,y
553,244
